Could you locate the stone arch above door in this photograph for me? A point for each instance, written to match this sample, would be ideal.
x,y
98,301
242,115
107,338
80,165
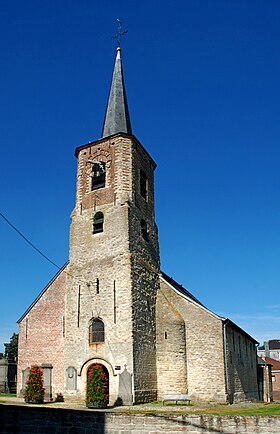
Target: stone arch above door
x,y
89,362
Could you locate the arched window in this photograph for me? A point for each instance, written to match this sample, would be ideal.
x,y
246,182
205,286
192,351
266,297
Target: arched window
x,y
98,175
144,230
98,221
96,331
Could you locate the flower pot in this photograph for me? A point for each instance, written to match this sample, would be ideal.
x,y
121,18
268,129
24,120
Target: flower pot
x,y
34,401
96,405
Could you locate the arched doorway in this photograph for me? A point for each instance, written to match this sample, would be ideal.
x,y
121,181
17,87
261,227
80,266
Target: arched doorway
x,y
97,384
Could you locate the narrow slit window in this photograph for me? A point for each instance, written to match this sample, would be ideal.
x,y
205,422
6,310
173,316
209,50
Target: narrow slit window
x,y
96,331
143,184
98,221
144,230
98,175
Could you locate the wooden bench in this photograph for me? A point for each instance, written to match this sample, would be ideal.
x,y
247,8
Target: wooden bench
x,y
176,397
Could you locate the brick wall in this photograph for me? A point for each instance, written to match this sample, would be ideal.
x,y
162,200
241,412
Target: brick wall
x,y
41,333
276,385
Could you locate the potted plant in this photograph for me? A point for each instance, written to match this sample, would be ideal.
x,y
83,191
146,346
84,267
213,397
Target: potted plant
x,y
97,387
34,390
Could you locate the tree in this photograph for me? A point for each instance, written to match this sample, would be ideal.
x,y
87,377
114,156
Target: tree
x,y
11,348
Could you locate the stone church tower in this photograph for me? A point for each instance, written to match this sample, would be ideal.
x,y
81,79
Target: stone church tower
x,y
111,305
113,273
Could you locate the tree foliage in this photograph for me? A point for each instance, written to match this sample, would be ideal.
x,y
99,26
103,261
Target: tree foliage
x,y
11,348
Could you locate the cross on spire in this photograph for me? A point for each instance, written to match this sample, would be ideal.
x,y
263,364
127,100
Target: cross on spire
x,y
117,115
120,33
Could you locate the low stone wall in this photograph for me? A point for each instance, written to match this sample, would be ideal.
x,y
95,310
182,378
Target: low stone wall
x,y
24,419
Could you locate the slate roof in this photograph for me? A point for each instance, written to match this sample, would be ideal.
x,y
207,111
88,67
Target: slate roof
x,y
188,294
180,288
273,344
117,118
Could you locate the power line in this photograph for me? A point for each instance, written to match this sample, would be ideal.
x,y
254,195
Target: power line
x,y
29,242
81,280
39,251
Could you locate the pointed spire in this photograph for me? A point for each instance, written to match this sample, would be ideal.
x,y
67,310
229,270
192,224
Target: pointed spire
x,y
117,116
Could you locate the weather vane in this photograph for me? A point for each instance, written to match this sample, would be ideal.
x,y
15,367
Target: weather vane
x,y
120,33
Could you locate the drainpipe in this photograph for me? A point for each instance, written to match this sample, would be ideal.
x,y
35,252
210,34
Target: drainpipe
x,y
226,362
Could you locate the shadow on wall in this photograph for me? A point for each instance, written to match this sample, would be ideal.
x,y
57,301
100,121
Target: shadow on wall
x,y
40,420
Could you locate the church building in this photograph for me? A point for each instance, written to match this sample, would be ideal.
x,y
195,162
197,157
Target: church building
x,y
112,305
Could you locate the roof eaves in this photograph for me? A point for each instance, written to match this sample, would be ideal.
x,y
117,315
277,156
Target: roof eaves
x,y
228,321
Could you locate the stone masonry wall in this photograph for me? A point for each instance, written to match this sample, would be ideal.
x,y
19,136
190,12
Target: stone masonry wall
x,y
144,277
41,333
19,419
112,257
104,256
241,366
204,348
171,348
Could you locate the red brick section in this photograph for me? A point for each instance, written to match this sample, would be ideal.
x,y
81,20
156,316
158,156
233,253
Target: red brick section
x,y
101,151
276,374
41,333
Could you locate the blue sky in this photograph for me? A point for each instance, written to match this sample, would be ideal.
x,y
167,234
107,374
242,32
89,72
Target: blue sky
x,y
202,80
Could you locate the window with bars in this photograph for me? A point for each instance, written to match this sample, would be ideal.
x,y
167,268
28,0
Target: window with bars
x,y
98,221
98,175
96,331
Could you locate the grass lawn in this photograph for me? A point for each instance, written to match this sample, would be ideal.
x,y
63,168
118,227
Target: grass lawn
x,y
254,410
12,395
247,409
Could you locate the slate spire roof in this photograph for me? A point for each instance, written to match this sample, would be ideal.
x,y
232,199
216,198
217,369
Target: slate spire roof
x,y
117,116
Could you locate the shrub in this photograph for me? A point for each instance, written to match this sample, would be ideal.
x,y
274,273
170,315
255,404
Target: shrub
x,y
34,390
97,385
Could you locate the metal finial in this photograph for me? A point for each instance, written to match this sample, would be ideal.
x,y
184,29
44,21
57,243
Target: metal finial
x,y
120,33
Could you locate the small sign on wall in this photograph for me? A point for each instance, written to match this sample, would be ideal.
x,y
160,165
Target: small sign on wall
x,y
118,368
